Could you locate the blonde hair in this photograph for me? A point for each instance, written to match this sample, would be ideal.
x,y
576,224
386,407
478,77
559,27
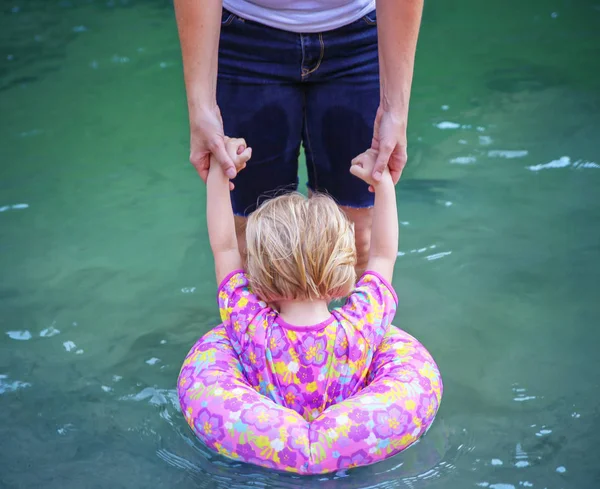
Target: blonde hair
x,y
300,249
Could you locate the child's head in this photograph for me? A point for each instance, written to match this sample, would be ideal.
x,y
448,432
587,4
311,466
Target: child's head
x,y
300,249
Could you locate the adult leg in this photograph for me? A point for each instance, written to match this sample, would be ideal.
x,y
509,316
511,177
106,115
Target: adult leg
x,y
341,103
261,101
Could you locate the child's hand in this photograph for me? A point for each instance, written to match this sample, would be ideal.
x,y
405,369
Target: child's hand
x,y
362,167
239,152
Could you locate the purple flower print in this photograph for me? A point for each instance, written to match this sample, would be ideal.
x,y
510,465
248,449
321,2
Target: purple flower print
x,y
305,375
333,390
245,451
287,457
313,350
298,440
357,458
211,377
186,377
292,397
428,405
425,384
358,432
390,422
380,388
251,309
229,384
209,426
233,404
359,415
251,376
355,353
277,343
254,357
314,399
220,365
261,417
341,343
329,423
251,398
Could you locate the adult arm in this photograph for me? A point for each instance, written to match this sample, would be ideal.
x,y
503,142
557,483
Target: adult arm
x,y
199,24
398,24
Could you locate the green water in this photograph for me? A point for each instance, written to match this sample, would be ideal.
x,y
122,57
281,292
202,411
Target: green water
x,y
106,273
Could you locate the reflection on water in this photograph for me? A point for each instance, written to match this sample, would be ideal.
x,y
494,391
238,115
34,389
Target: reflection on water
x,y
107,274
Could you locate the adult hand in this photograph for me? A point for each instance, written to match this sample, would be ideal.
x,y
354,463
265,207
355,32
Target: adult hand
x,y
207,138
389,140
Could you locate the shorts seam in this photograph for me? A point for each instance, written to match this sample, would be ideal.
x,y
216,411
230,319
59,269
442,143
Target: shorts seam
x,y
321,56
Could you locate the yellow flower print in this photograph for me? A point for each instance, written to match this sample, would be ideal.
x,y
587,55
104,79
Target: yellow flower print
x,y
410,405
290,419
407,439
242,302
428,371
237,326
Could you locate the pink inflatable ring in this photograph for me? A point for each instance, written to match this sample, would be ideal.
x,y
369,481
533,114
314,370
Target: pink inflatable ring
x,y
396,407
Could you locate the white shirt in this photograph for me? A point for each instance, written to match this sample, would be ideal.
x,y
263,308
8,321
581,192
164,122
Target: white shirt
x,y
307,16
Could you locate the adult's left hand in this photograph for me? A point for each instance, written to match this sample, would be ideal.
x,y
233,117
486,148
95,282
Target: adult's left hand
x,y
389,140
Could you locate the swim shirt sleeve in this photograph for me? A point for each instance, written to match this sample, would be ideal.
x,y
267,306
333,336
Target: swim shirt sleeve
x,y
238,308
371,307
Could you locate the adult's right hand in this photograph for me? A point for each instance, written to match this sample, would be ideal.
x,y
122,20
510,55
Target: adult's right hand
x,y
206,138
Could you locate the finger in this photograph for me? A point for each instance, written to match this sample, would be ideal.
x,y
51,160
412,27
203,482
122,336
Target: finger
x,y
359,171
241,159
359,160
231,186
246,154
220,153
371,189
385,151
241,145
234,145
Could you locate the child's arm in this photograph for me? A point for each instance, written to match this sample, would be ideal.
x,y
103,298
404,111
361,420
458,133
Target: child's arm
x,y
219,213
384,230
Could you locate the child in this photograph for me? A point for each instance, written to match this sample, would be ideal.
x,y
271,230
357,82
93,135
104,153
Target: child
x,y
301,256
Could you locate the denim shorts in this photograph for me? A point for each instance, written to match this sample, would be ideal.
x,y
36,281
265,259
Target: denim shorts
x,y
280,89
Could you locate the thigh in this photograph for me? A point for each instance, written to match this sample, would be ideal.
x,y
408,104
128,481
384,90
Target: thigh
x,y
261,103
341,102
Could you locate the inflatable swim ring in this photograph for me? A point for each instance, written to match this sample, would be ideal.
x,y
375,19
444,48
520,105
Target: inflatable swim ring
x,y
396,407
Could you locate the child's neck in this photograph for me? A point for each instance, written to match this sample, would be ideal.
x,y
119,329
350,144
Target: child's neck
x,y
303,312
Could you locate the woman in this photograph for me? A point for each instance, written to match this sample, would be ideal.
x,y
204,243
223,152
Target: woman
x,y
333,75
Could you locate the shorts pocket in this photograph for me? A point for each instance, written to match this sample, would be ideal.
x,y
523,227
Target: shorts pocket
x,y
370,18
227,18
